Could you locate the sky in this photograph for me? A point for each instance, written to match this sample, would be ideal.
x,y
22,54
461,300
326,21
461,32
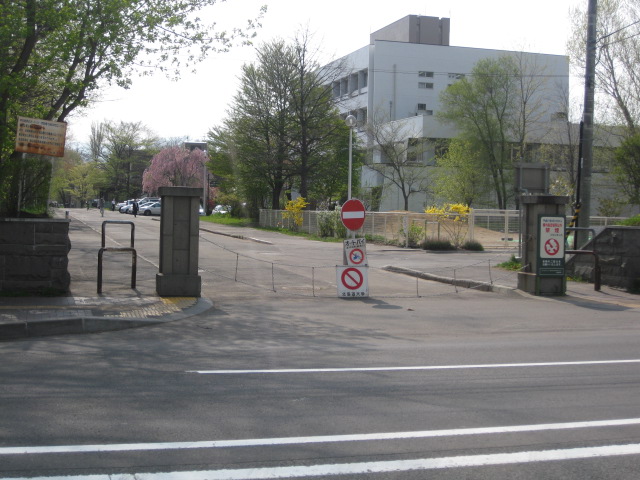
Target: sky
x,y
197,102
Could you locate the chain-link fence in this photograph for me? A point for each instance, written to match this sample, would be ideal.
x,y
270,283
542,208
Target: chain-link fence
x,y
490,228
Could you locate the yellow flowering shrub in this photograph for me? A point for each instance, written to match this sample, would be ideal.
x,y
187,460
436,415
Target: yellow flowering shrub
x,y
453,218
293,210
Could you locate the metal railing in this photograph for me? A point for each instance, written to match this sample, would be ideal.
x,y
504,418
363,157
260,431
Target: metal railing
x,y
134,256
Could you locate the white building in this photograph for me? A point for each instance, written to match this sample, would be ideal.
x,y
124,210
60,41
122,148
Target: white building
x,y
400,75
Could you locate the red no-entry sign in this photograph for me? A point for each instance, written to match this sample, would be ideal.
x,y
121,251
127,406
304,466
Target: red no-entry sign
x,y
352,214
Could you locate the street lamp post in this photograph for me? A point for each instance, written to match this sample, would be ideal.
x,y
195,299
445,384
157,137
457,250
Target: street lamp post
x,y
351,122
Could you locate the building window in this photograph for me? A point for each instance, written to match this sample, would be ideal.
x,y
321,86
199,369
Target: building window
x,y
456,76
425,74
422,106
426,85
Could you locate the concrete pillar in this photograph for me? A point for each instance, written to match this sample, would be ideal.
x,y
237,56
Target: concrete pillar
x,y
529,281
179,239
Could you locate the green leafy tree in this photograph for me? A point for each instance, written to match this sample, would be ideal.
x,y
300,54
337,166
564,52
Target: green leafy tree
x,y
461,177
122,151
83,182
484,107
283,129
627,168
55,56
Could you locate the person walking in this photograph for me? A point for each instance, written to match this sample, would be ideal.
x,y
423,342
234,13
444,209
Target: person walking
x,y
134,208
113,205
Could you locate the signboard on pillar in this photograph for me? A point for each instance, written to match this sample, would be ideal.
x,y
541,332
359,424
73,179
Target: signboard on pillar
x,y
551,240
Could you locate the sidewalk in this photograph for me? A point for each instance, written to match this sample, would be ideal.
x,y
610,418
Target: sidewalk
x,y
119,306
86,311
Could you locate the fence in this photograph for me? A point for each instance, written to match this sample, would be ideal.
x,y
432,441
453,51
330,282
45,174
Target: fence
x,y
491,228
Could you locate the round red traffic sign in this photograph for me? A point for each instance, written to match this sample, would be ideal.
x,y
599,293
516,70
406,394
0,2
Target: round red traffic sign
x,y
352,278
352,214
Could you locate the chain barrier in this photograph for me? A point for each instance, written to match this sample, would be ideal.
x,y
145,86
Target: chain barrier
x,y
242,263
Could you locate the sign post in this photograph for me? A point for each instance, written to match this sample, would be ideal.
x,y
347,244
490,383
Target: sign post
x,y
352,277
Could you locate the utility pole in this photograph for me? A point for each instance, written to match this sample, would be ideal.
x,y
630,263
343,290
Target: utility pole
x,y
586,162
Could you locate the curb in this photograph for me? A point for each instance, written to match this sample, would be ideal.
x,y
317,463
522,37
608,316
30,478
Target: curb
x,y
471,284
91,324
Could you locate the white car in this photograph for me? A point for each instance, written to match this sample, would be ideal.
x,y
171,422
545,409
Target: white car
x,y
148,209
222,209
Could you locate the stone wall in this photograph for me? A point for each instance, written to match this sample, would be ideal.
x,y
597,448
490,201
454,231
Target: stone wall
x,y
619,252
33,256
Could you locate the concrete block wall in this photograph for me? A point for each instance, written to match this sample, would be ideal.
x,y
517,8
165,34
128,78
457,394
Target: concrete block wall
x,y
619,251
34,255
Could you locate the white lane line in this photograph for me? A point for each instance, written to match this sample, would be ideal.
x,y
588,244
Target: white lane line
x,y
300,471
123,447
400,369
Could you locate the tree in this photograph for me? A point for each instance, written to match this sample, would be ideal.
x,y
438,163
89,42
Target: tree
x,y
174,167
461,177
55,56
484,108
395,155
283,129
123,151
618,56
83,180
260,120
627,168
317,126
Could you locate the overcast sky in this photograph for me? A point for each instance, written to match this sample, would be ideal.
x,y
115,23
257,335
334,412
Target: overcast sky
x,y
197,102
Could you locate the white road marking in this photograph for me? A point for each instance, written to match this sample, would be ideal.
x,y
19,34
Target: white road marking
x,y
124,447
364,468
400,369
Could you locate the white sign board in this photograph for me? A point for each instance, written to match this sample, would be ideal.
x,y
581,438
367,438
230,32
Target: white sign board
x,y
355,252
551,238
353,282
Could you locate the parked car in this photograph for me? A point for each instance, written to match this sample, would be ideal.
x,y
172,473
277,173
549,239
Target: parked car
x,y
222,209
151,208
201,210
124,205
129,208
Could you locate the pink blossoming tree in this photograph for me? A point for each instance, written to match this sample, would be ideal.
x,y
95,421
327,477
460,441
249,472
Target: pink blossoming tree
x,y
174,167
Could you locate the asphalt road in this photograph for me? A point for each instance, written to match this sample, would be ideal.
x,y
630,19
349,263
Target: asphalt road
x,y
283,384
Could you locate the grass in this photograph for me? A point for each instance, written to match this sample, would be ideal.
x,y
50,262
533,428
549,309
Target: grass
x,y
512,264
223,219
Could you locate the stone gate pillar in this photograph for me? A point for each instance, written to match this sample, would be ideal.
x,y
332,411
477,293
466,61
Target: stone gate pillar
x,y
538,278
179,238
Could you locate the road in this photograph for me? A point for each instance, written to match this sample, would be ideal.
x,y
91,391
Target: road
x,y
467,385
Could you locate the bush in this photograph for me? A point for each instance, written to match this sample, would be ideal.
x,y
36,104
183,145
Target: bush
x,y
435,244
330,224
412,236
631,222
473,246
